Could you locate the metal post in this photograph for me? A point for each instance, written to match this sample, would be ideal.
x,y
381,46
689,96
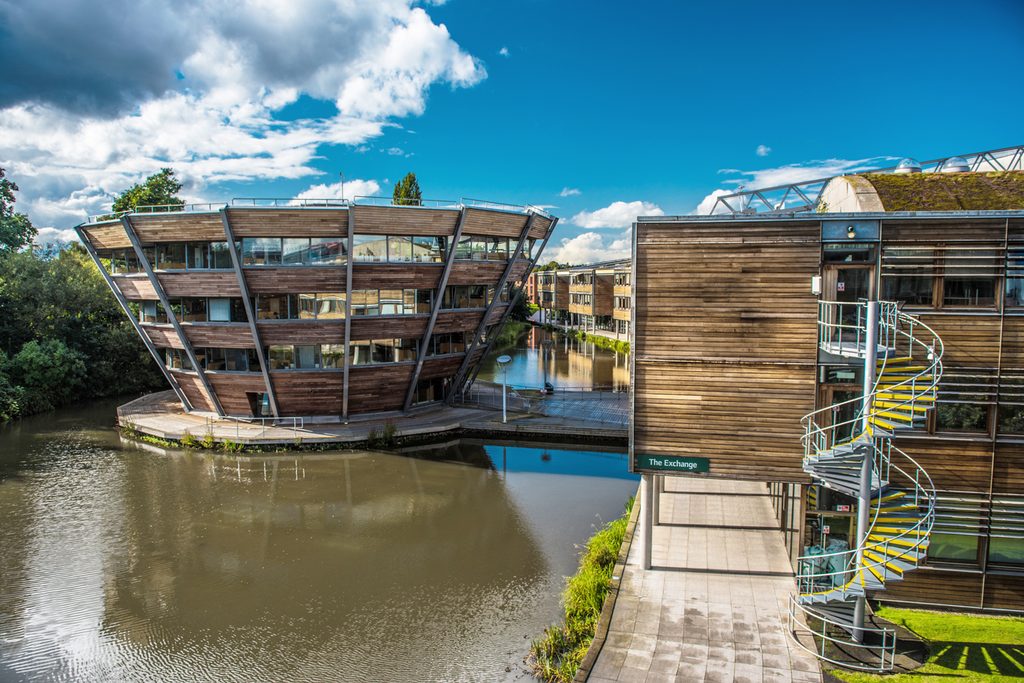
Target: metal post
x,y
656,499
646,519
864,494
504,396
350,257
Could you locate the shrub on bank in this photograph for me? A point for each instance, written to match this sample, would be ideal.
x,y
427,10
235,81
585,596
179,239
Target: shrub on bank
x,y
557,655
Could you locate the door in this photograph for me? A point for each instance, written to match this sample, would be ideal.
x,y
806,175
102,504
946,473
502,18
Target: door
x,y
846,283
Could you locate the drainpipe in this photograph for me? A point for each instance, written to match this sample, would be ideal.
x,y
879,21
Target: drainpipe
x,y
864,494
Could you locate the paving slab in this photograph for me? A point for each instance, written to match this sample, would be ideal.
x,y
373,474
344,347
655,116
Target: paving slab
x,y
715,605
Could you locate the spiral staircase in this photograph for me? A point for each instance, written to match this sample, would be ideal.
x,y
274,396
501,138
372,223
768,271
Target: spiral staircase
x,y
857,457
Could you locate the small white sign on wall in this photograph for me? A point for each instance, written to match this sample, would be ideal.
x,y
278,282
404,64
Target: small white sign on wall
x,y
840,286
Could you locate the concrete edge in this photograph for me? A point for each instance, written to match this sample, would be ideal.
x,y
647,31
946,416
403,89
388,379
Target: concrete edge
x,y
605,620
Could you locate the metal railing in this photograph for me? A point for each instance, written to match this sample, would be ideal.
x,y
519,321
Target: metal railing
x,y
822,637
289,201
368,200
295,424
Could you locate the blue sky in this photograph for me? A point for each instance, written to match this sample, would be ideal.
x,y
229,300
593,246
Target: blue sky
x,y
573,105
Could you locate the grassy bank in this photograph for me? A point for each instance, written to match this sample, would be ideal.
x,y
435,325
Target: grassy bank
x,y
557,655
962,647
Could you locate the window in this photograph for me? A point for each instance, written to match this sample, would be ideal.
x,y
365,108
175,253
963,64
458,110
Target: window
x,y
911,290
152,312
1006,543
496,248
220,255
963,416
1011,419
418,300
428,249
953,547
276,306
193,310
307,306
369,248
440,344
970,276
197,255
369,352
1006,550
360,352
170,256
231,360
622,303
281,357
968,291
219,310
622,279
177,359
295,251
365,302
330,306
391,301
307,357
464,249
332,355
261,251
399,249
325,251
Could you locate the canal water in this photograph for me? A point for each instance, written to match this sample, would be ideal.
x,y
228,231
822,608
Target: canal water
x,y
118,563
539,355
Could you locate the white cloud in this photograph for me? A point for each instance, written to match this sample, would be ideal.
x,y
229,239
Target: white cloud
x,y
763,150
46,236
616,215
786,175
569,192
73,134
341,190
504,52
589,247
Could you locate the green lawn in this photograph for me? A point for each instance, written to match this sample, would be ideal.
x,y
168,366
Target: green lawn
x,y
963,647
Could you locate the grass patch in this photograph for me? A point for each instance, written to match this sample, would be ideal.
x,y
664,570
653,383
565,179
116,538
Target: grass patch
x,y
962,647
615,345
556,656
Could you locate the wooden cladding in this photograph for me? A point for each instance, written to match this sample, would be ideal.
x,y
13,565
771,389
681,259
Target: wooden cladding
x,y
219,335
302,331
932,586
284,222
308,393
108,236
201,227
233,388
398,327
476,272
380,388
193,390
163,337
135,288
456,321
540,226
200,283
268,280
395,276
395,220
495,223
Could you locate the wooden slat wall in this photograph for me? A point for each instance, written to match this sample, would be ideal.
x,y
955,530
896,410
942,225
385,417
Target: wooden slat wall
x,y
379,388
621,314
390,220
925,585
396,276
519,269
308,393
953,464
193,390
540,227
494,223
725,344
200,283
456,321
178,228
440,367
302,331
1003,592
225,335
604,303
282,222
135,287
163,337
232,387
971,340
476,272
496,314
108,236
930,231
1008,470
282,280
403,327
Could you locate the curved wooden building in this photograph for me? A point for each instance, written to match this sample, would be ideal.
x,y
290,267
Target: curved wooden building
x,y
327,310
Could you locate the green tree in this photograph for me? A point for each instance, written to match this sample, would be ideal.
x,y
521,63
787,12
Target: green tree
x,y
407,191
159,189
49,373
16,231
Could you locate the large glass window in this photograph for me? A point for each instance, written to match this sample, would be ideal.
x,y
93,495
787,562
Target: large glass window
x,y
400,249
968,291
307,306
365,302
327,250
332,355
330,305
963,416
912,290
953,547
1006,550
170,256
177,359
418,300
1011,419
369,248
391,302
295,251
464,249
428,249
152,312
276,306
220,255
231,360
307,357
219,310
193,310
261,251
281,357
498,248
197,255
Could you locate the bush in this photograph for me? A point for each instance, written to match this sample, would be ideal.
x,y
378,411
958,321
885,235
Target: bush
x,y
50,374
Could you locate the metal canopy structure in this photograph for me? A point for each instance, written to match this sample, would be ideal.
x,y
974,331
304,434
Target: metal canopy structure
x,y
803,196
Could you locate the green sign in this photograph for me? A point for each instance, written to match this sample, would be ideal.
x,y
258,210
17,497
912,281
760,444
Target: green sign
x,y
671,463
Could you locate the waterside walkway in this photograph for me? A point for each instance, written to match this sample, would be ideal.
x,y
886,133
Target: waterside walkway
x,y
714,606
569,417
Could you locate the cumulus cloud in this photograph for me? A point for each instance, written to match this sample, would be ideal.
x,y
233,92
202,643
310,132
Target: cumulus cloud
x,y
616,215
504,52
788,174
341,190
97,96
569,192
589,247
763,150
46,236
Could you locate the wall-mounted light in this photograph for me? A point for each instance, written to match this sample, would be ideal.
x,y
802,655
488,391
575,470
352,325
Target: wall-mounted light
x,y
850,232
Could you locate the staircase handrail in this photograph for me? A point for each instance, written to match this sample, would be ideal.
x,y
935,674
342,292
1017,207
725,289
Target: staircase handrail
x,y
887,646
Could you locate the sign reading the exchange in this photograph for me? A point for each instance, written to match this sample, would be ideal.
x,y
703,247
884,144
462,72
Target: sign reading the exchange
x,y
670,463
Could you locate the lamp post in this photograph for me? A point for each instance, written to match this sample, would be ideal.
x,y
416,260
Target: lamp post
x,y
503,362
545,347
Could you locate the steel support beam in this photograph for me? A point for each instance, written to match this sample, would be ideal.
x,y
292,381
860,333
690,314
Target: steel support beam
x,y
349,257
434,310
250,313
864,493
508,310
482,325
160,360
162,295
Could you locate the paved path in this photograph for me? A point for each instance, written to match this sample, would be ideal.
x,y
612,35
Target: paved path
x,y
714,607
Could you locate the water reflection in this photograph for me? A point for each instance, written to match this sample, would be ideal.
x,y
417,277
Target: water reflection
x,y
539,355
121,564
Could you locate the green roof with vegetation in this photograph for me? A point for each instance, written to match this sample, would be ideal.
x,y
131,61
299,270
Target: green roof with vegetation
x,y
996,191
